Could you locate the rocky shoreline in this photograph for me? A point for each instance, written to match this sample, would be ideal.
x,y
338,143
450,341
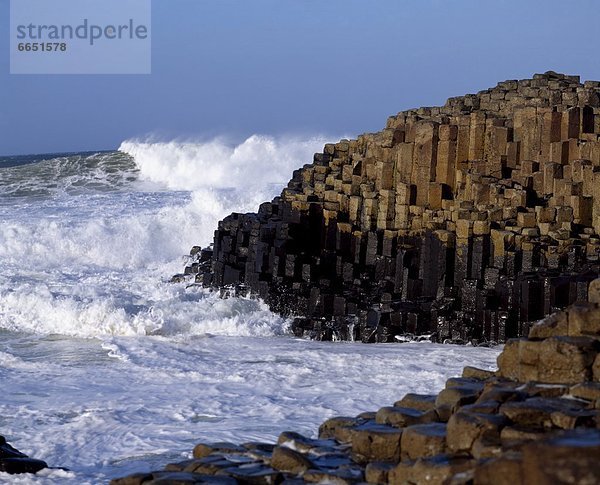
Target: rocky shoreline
x,y
535,420
474,222
466,222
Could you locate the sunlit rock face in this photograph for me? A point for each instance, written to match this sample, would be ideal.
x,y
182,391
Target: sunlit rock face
x,y
465,222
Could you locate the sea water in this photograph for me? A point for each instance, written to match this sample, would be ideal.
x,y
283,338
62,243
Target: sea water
x,y
107,369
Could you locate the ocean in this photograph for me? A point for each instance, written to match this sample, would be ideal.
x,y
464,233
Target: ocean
x,y
107,369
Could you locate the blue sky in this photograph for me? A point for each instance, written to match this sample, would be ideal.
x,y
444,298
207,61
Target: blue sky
x,y
225,67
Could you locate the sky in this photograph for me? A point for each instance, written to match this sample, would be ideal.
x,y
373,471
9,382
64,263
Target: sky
x,y
294,67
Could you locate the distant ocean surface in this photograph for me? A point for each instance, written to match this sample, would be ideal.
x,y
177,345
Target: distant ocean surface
x,y
107,369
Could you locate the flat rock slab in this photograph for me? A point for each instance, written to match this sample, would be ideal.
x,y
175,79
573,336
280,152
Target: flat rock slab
x,y
204,449
211,464
303,444
537,389
590,391
458,396
476,373
466,382
501,394
402,417
538,411
420,402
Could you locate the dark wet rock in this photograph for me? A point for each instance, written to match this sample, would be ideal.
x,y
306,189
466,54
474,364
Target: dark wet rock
x,y
21,465
7,451
179,278
12,461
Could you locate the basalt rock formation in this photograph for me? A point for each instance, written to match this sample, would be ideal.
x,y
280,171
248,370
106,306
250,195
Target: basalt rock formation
x,y
466,222
535,420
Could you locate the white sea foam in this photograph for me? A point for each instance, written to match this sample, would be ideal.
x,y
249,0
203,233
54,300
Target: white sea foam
x,y
223,177
259,161
134,404
94,263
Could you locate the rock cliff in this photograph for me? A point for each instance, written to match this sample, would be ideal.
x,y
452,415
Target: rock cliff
x,y
467,221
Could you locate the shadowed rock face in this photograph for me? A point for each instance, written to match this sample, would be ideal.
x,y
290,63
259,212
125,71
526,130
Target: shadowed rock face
x,y
466,221
484,428
14,462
